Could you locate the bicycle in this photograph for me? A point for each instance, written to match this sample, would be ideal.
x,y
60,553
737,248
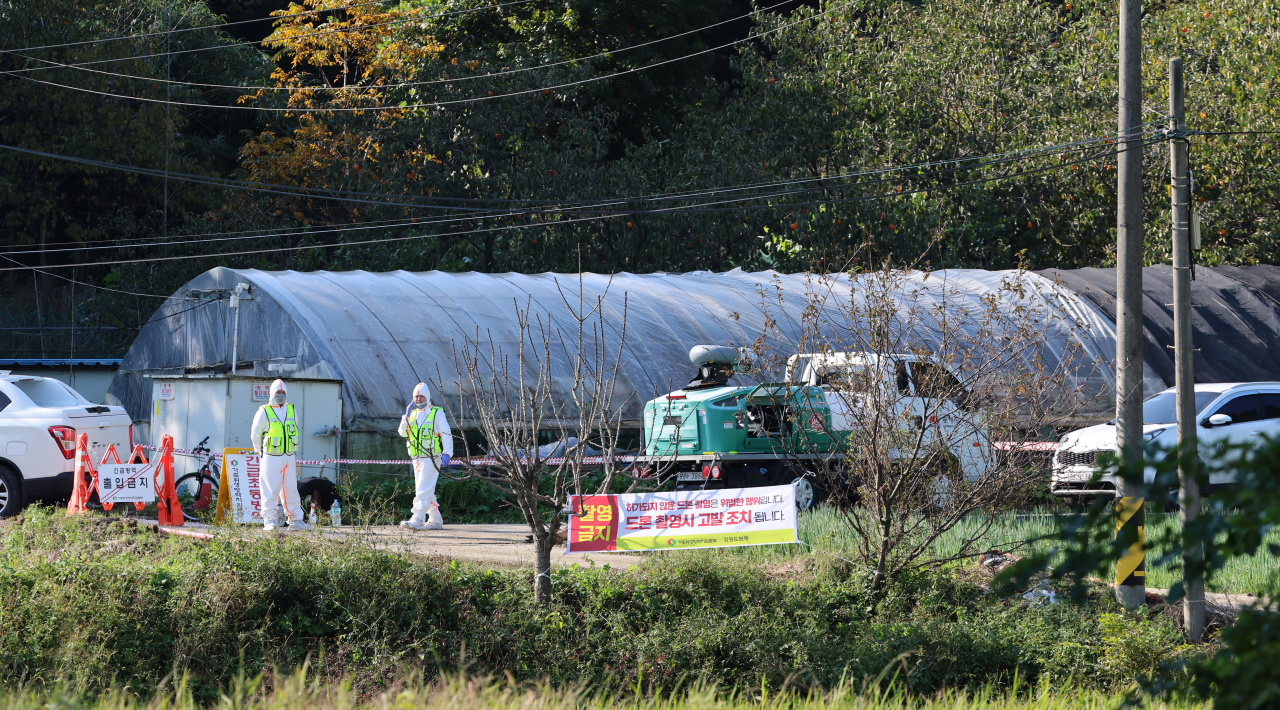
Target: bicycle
x,y
200,487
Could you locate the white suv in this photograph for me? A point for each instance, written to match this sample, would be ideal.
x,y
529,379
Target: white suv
x,y
1228,413
39,420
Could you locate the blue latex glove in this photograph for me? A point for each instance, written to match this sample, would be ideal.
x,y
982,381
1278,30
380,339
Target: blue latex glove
x,y
444,460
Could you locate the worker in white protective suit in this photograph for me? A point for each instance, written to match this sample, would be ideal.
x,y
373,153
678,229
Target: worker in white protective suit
x,y
430,448
275,438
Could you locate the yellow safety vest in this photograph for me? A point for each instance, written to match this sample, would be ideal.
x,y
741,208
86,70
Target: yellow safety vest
x,y
423,439
280,437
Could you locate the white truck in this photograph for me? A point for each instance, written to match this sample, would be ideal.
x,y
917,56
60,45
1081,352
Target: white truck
x,y
710,434
40,419
911,388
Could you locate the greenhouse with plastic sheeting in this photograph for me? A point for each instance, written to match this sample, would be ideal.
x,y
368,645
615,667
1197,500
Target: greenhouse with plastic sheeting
x,y
370,337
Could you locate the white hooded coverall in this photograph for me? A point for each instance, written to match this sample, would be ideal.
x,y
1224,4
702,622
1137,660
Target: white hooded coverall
x,y
425,470
279,473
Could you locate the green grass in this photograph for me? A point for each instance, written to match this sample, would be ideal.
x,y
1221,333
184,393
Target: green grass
x,y
824,530
102,604
297,692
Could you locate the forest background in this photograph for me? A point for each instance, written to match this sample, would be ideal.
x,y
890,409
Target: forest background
x,y
606,135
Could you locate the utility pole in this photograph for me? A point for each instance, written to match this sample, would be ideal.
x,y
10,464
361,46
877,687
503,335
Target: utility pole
x,y
1188,486
168,117
1131,583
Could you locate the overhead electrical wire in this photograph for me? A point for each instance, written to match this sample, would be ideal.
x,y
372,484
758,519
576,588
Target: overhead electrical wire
x,y
311,230
81,283
232,45
528,206
160,241
859,198
219,26
435,104
396,85
315,230
299,232
618,204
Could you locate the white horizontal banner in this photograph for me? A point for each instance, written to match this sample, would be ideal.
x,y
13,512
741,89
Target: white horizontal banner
x,y
683,519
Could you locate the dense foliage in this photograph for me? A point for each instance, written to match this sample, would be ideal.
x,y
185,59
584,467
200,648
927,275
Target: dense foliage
x,y
525,136
103,605
1234,523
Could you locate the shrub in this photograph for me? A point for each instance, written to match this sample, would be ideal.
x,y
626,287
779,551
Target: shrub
x,y
102,604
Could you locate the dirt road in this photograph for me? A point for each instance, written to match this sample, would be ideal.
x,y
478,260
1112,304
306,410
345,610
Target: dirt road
x,y
502,544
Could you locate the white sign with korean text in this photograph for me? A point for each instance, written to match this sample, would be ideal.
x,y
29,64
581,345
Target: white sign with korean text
x,y
126,483
261,391
241,470
166,390
667,520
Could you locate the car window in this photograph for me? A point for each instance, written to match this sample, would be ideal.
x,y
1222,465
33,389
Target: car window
x,y
901,379
936,382
852,378
1271,406
1163,408
50,393
728,402
932,380
1241,409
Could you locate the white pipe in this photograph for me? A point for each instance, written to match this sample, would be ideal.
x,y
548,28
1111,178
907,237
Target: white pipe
x,y
235,332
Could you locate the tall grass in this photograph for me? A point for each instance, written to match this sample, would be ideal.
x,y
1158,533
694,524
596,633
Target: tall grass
x,y
297,692
825,532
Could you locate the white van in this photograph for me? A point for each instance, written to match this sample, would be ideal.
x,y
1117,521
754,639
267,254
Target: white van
x,y
1226,413
40,419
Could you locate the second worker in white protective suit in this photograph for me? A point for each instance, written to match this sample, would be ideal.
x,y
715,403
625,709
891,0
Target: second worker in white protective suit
x,y
430,447
275,437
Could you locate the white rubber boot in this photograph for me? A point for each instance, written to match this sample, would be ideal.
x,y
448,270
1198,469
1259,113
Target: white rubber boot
x,y
416,522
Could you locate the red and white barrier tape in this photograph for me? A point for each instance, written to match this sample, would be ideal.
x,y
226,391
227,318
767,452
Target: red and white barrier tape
x,y
480,461
489,461
376,462
1026,446
188,452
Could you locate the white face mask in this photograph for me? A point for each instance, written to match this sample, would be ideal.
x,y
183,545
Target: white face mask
x,y
278,398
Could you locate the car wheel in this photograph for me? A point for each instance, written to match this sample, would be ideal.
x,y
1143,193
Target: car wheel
x,y
806,494
10,493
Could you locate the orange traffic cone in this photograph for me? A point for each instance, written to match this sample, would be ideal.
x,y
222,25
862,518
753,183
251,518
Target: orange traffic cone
x,y
168,507
80,489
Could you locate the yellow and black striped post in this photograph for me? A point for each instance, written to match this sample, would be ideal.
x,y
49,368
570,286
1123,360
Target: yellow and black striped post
x,y
1131,568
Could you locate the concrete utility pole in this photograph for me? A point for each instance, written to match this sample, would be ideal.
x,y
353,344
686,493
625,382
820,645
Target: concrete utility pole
x,y
1131,584
1188,487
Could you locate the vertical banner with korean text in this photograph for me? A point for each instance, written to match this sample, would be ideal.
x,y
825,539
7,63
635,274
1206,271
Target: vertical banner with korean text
x,y
683,519
240,471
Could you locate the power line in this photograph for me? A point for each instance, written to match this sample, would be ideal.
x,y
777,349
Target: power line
x,y
216,237
531,206
185,310
600,217
1230,133
698,207
125,242
436,104
397,85
242,44
79,283
205,27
